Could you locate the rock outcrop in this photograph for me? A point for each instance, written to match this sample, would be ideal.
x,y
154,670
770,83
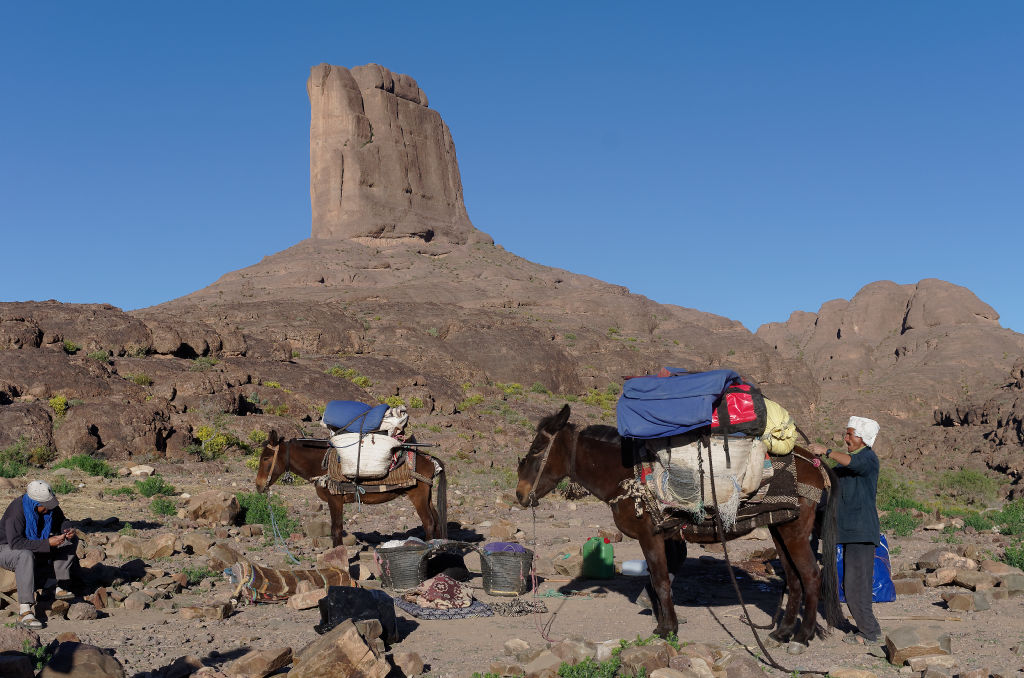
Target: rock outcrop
x,y
910,356
381,163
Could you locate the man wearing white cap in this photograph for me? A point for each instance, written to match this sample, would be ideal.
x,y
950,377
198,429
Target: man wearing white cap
x,y
32,533
857,521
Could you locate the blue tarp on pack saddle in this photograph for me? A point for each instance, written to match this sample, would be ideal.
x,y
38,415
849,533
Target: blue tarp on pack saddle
x,y
347,414
658,407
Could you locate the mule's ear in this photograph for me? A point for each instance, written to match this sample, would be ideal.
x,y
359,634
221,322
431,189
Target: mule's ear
x,y
562,418
272,437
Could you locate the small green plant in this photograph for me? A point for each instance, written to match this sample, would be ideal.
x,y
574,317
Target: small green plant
x,y
415,403
203,363
894,493
280,410
136,351
614,331
1011,518
98,356
14,459
1013,555
127,530
538,387
434,428
257,437
969,486
90,465
197,574
214,442
569,336
59,405
123,492
257,508
432,331
604,400
40,656
362,382
272,384
510,389
899,522
153,486
393,401
470,401
62,485
139,378
71,348
162,506
296,354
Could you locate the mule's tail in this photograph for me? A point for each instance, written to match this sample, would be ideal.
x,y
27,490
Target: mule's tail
x,y
442,498
829,534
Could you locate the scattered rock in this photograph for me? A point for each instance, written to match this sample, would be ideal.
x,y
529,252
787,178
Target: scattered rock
x,y
409,663
339,652
72,660
213,507
649,657
214,611
908,587
260,663
938,661
905,642
975,581
307,599
82,612
141,471
545,665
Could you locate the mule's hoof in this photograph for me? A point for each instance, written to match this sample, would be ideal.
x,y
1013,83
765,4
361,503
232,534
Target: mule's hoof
x,y
796,648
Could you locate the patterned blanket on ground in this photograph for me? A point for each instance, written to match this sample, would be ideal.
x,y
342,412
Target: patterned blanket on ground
x,y
265,584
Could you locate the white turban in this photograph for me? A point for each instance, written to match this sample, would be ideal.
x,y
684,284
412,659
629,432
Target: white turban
x,y
864,428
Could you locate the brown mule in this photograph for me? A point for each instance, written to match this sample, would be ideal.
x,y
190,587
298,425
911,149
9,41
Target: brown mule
x,y
595,458
306,462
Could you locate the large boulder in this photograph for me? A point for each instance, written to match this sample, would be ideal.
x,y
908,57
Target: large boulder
x,y
79,660
213,506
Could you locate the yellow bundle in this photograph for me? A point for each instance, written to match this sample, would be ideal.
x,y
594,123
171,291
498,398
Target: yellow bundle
x,y
780,430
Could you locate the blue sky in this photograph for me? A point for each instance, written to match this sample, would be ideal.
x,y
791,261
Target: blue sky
x,y
746,159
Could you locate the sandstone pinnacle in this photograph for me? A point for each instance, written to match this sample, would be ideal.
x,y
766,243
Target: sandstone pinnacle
x,y
381,163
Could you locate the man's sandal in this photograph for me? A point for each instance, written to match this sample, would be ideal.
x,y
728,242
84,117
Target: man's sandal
x,y
29,621
62,594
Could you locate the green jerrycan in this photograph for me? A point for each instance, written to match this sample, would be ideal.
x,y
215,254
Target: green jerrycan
x,y
598,559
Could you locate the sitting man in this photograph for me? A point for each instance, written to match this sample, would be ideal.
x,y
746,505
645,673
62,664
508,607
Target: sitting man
x,y
32,533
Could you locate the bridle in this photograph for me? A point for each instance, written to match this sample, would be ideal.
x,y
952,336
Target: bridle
x,y
273,465
544,460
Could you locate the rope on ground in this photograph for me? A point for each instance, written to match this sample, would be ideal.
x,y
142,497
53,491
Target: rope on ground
x,y
278,539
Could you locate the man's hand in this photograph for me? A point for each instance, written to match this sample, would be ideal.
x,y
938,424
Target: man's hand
x,y
817,449
56,540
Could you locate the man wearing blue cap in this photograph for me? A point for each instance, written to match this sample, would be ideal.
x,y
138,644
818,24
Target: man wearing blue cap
x,y
32,533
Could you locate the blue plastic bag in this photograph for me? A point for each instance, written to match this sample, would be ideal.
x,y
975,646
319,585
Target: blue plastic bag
x,y
882,589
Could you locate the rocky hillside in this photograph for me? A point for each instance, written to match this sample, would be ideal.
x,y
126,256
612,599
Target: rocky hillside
x,y
921,358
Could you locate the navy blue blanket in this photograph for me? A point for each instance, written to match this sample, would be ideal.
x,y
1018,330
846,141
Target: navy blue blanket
x,y
658,407
341,413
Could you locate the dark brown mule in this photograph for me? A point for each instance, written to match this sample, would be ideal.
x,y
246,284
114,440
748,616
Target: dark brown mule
x,y
595,458
306,461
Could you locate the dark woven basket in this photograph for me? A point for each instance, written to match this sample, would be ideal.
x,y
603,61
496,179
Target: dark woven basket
x,y
403,567
506,573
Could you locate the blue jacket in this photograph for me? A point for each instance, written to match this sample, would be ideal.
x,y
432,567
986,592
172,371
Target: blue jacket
x,y
857,517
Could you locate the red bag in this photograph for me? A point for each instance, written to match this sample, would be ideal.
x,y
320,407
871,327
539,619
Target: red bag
x,y
741,409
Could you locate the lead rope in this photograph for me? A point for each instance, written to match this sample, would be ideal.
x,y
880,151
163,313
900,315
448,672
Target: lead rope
x,y
278,539
736,587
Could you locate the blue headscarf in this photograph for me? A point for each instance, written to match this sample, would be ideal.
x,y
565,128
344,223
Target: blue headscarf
x,y
29,505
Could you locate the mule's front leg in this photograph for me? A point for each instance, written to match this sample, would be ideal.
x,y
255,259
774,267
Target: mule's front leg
x,y
336,504
786,626
653,547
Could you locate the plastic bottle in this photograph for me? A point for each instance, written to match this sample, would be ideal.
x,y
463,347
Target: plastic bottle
x,y
598,558
635,568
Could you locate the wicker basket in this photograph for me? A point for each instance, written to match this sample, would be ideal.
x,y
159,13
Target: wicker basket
x,y
506,573
403,568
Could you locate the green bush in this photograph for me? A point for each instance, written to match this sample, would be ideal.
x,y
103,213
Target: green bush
x,y
603,399
99,356
362,382
899,523
979,521
91,465
972,487
393,401
59,405
256,510
63,486
538,387
214,443
257,437
415,403
510,389
14,459
127,530
162,506
71,348
1014,555
198,574
1011,518
203,363
154,485
894,493
272,384
139,378
470,401
123,492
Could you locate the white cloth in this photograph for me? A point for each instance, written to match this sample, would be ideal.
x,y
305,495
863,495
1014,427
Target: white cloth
x,y
864,428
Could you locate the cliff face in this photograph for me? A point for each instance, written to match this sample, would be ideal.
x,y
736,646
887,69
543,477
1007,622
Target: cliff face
x,y
381,163
907,355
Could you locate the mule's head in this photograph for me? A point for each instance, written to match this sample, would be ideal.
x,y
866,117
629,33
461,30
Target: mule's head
x,y
546,462
273,462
